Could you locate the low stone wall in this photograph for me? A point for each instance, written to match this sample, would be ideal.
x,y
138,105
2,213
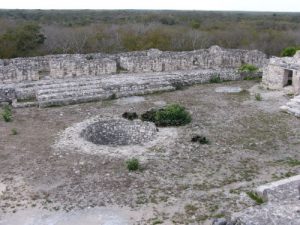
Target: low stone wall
x,y
71,66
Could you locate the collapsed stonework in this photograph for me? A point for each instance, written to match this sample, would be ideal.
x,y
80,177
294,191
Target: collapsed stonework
x,y
283,73
69,79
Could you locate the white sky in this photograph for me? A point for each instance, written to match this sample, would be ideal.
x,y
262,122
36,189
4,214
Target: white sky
x,y
236,5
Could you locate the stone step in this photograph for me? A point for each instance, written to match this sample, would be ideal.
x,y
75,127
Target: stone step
x,y
59,100
68,94
70,101
280,190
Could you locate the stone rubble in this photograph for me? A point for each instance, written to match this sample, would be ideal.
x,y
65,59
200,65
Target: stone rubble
x,y
293,106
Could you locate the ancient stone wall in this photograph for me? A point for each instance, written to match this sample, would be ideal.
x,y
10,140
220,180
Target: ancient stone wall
x,y
52,67
77,65
213,58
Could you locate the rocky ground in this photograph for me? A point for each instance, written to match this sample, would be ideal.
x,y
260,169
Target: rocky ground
x,y
251,143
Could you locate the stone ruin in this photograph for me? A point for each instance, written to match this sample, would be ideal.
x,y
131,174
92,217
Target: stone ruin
x,y
69,79
284,74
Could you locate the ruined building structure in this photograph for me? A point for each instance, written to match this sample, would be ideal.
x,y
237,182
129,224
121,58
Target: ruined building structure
x,y
283,73
69,79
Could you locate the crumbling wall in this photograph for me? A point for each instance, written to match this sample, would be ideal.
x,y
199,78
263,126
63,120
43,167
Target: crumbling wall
x,y
274,73
212,58
69,66
51,67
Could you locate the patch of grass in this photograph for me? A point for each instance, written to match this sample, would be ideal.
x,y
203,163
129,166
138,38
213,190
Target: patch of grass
x,y
293,162
133,164
7,114
171,115
200,139
252,78
249,68
130,115
157,222
215,79
258,97
190,209
14,131
255,197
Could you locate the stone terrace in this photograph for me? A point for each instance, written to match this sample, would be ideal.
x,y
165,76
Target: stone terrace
x,y
70,79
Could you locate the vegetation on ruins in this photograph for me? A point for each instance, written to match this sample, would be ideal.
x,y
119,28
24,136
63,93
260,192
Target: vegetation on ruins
x,y
14,131
255,197
248,68
171,115
289,51
215,79
133,164
7,114
258,97
86,31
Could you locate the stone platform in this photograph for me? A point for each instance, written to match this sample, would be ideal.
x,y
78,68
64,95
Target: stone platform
x,y
56,92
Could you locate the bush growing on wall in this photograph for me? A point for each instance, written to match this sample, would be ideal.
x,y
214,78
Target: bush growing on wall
x,y
249,68
289,51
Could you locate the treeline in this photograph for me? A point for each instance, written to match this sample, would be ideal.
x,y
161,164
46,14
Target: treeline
x,y
39,32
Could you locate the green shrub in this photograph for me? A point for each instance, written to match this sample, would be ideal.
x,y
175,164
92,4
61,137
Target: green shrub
x,y
258,97
172,115
14,131
133,164
7,114
149,115
200,139
289,51
130,115
215,79
249,68
254,196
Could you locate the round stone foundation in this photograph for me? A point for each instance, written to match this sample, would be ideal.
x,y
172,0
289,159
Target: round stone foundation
x,y
119,132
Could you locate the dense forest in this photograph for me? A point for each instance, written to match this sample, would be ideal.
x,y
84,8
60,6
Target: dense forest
x,y
41,32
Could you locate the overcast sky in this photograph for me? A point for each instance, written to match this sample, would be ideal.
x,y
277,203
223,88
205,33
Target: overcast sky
x,y
237,5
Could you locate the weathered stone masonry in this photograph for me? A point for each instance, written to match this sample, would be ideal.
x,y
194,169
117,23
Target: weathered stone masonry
x,y
69,79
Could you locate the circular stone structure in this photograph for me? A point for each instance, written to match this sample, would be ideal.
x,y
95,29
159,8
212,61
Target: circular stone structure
x,y
114,136
119,132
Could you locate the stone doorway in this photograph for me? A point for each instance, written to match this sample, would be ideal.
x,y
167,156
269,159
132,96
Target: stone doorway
x,y
288,78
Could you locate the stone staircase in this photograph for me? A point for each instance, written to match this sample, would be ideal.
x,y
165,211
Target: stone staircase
x,y
293,106
45,93
282,205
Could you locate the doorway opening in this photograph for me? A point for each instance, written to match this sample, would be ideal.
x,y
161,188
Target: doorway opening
x,y
288,78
